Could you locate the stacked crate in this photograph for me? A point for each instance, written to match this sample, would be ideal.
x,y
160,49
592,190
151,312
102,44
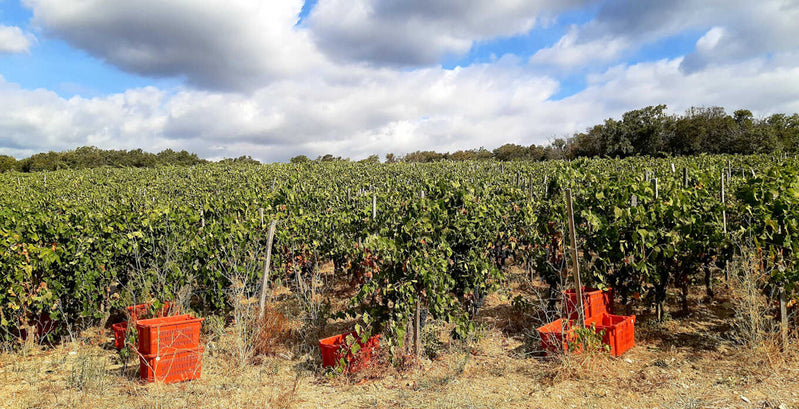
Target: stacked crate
x,y
135,312
618,331
169,348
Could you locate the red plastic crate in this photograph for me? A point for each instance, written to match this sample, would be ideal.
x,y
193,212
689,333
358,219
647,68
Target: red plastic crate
x,y
619,332
143,311
595,303
332,351
168,334
556,336
120,331
177,366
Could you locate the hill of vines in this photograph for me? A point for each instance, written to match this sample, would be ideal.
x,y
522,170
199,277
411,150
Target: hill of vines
x,y
76,245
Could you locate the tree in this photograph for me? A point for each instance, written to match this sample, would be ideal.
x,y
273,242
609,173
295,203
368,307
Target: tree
x,y
299,159
391,158
510,151
241,160
424,156
644,129
370,159
7,163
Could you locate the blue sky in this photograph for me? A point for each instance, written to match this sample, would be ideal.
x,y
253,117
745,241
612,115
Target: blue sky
x,y
355,77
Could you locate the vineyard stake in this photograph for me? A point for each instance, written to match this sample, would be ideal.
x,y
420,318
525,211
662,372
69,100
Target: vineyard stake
x,y
417,329
261,212
546,187
531,187
374,206
783,319
685,176
655,182
723,203
575,265
265,281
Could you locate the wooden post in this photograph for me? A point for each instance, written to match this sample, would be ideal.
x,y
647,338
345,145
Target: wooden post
x,y
685,176
417,329
202,218
546,186
374,206
575,265
422,194
273,182
634,201
723,203
783,319
673,169
530,194
655,182
261,212
265,280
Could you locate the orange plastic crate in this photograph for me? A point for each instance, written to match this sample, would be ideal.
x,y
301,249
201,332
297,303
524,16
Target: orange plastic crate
x,y
177,366
619,332
332,351
120,331
595,303
168,334
143,310
556,336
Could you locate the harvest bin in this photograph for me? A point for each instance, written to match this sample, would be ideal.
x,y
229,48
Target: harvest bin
x,y
619,332
334,348
595,303
120,331
556,335
136,311
168,334
177,366
143,310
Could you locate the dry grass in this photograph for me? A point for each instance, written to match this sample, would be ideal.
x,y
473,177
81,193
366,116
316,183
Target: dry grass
x,y
690,361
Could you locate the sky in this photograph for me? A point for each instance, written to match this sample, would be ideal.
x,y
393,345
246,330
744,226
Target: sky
x,y
277,78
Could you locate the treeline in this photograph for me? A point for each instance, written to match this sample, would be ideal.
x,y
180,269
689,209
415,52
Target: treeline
x,y
650,131
91,157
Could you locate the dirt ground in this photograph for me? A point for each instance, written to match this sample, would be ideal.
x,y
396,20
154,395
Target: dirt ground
x,y
688,361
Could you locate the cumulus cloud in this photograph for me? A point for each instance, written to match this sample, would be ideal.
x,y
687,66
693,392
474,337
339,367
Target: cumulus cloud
x,y
420,32
330,85
567,52
215,44
380,111
14,41
735,30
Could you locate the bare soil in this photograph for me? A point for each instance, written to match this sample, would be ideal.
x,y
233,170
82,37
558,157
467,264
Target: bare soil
x,y
688,361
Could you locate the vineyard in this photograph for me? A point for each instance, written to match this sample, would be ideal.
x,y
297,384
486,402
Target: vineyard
x,y
436,239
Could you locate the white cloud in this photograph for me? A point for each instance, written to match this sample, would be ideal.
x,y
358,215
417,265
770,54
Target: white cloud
x,y
710,40
14,41
300,101
568,53
354,113
215,44
735,30
420,32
